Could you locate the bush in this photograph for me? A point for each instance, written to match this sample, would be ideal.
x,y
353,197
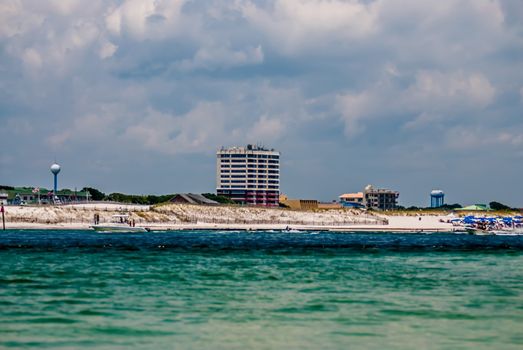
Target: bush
x,y
94,193
498,206
218,198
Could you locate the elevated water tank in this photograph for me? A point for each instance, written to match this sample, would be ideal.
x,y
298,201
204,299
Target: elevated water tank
x,y
437,198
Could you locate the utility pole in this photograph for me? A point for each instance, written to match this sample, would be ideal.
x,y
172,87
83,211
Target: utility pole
x,y
3,215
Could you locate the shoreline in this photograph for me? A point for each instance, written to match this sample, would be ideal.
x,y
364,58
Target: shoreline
x,y
239,227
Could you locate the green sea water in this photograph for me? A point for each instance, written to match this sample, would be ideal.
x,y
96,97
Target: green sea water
x,y
195,290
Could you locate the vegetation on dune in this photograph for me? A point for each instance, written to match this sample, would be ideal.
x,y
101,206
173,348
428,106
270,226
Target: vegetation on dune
x,y
98,195
138,199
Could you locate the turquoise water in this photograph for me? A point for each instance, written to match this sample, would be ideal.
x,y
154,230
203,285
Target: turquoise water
x,y
237,290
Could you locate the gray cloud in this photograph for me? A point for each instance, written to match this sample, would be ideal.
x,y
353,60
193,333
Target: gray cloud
x,y
136,95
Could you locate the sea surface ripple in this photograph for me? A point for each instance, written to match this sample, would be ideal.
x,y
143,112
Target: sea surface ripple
x,y
259,290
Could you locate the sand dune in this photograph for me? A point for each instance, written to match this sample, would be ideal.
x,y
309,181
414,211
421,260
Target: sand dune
x,y
180,216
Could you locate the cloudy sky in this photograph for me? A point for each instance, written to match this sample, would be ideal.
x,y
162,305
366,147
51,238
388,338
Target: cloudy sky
x,y
136,95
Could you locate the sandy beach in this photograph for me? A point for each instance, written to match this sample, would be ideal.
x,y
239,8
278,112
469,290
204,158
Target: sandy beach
x,y
196,217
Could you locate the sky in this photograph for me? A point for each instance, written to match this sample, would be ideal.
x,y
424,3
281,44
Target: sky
x,y
136,96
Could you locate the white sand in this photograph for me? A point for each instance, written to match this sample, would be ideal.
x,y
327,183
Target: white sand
x,y
178,216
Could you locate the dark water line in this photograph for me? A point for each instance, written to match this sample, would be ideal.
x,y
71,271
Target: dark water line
x,y
269,242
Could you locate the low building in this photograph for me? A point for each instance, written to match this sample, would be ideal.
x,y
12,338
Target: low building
x,y
30,195
474,207
329,205
352,200
300,204
192,198
380,198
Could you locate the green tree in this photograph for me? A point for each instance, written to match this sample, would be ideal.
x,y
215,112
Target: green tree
x,y
94,193
450,206
498,206
218,198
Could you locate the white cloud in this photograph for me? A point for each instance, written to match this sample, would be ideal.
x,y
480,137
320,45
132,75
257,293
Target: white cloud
x,y
107,49
15,19
32,59
436,89
221,57
266,130
433,96
199,130
67,7
305,23
146,19
465,138
354,108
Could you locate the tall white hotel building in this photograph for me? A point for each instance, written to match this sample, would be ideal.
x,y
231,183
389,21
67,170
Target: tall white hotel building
x,y
249,175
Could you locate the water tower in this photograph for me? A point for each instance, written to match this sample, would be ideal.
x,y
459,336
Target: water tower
x,y
437,198
55,169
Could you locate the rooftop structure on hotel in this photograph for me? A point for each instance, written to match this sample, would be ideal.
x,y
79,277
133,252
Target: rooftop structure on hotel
x,y
249,175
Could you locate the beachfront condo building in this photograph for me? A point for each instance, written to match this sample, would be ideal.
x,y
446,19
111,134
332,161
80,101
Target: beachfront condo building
x,y
249,175
379,198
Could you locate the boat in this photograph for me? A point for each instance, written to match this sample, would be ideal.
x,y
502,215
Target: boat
x,y
494,231
478,231
119,223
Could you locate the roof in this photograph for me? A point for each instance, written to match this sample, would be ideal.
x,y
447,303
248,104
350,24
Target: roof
x,y
475,207
192,198
352,195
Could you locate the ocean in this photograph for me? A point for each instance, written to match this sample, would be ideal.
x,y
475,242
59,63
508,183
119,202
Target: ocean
x,y
259,290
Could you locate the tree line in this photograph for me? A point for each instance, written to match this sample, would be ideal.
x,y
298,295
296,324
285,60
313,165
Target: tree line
x,y
492,205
